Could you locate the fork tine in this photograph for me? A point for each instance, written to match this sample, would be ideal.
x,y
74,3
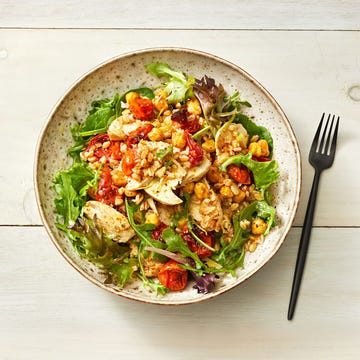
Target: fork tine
x,y
321,145
316,137
326,147
333,143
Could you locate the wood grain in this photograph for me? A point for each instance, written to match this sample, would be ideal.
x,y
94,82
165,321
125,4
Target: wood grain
x,y
187,14
53,312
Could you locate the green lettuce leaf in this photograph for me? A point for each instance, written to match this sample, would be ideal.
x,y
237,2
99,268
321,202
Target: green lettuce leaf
x,y
254,129
177,86
265,173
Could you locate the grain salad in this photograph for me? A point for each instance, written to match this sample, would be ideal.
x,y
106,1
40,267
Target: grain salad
x,y
169,185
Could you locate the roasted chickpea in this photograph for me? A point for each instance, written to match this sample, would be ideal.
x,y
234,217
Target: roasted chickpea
x,y
201,191
193,106
155,134
258,226
152,218
178,139
225,191
240,197
209,146
189,188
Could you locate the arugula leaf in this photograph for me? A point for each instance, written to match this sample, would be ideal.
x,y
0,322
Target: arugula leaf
x,y
175,243
177,86
161,154
71,186
143,231
254,129
265,173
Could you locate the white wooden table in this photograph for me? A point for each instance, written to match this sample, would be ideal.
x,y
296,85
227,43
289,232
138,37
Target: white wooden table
x,y
308,57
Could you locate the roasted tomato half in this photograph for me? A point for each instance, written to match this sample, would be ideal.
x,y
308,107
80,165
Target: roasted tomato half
x,y
112,151
195,151
141,108
106,192
240,174
172,276
128,162
138,134
195,246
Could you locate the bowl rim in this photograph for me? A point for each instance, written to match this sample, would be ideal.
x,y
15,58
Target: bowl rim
x,y
267,94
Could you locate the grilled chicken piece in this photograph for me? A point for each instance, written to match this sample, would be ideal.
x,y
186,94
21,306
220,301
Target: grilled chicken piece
x,y
112,222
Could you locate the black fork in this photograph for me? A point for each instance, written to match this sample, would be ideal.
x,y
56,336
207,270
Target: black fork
x,y
321,157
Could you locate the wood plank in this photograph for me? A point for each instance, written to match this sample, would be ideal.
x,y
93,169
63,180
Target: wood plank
x,y
52,311
187,14
304,71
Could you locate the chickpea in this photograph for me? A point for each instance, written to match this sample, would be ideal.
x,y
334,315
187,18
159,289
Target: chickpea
x,y
259,148
188,188
130,193
118,178
155,134
178,139
258,226
209,146
214,175
240,197
152,218
255,149
252,246
193,106
131,96
201,191
226,192
264,147
160,102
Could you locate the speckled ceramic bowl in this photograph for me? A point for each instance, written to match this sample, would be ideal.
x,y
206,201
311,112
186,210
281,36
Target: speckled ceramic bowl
x,y
126,72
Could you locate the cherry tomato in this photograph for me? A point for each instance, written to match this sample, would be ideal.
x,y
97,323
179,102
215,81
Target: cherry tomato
x,y
172,276
112,151
194,245
114,148
106,192
195,150
128,162
240,174
142,108
138,134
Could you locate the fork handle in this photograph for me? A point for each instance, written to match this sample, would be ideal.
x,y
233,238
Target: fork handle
x,y
304,244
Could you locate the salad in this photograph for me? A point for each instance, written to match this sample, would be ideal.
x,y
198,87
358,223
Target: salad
x,y
169,185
